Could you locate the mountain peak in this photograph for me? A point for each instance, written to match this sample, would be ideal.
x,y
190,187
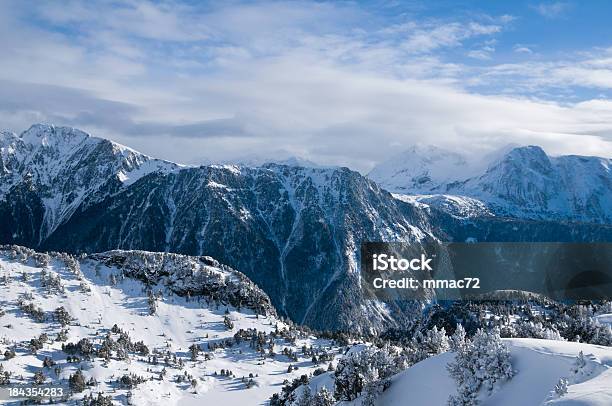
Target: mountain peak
x,y
527,158
420,168
47,135
533,152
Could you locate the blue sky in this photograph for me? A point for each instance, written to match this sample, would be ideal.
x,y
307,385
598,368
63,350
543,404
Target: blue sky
x,y
336,82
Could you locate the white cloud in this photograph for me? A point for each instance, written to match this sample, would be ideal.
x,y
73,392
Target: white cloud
x,y
552,10
429,38
317,79
483,53
522,49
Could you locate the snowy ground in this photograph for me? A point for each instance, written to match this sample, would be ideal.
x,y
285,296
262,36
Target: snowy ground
x,y
99,295
175,326
538,364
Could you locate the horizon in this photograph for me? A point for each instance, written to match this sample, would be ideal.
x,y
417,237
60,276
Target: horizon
x,y
473,163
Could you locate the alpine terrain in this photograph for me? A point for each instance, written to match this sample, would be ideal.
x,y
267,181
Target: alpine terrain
x,y
295,231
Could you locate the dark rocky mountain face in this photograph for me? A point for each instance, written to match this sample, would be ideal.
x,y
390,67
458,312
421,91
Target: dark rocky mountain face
x,y
294,231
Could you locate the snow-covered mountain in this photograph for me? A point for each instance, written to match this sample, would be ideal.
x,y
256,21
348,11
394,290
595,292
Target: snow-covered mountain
x,y
526,182
254,160
68,169
280,157
523,183
145,328
421,169
294,231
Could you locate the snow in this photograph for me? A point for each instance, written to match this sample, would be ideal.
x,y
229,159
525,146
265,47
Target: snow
x,y
538,364
521,182
280,157
176,324
461,207
57,159
423,169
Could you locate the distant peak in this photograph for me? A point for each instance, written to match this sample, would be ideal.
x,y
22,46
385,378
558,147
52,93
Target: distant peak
x,y
47,134
528,149
529,152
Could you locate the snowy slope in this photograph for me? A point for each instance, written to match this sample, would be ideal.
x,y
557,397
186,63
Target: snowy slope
x,y
460,207
539,364
102,290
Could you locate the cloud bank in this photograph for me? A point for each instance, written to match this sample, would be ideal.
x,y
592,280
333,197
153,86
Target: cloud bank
x,y
336,83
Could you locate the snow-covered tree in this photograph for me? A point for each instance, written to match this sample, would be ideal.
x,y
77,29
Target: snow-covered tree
x,y
364,372
76,381
561,387
305,399
478,366
457,340
322,398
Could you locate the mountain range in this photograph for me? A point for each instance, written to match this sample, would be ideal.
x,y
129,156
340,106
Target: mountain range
x,y
295,231
522,182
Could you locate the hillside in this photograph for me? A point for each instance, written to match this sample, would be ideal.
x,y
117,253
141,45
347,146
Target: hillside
x,y
159,327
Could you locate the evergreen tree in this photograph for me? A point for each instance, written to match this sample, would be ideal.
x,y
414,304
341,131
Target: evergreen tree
x,y
322,398
478,366
457,340
76,382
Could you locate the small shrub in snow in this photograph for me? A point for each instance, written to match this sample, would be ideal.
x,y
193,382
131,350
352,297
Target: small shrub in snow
x,y
561,387
39,378
76,382
62,316
10,353
48,362
229,324
581,368
4,376
100,400
130,381
62,336
194,350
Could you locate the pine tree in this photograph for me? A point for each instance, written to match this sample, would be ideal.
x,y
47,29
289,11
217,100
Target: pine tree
x,y
194,350
305,399
322,398
561,387
457,340
479,365
152,302
76,381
